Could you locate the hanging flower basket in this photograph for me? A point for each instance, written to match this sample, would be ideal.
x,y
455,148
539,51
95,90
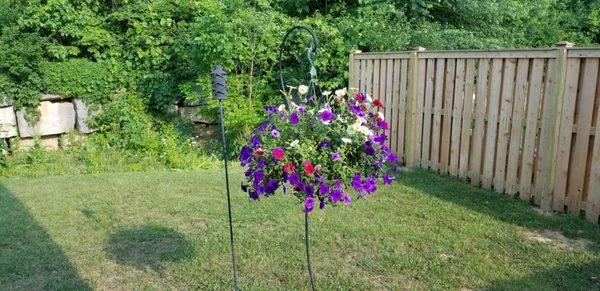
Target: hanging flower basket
x,y
329,150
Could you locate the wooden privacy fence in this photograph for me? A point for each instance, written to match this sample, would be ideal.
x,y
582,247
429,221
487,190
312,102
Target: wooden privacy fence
x,y
521,122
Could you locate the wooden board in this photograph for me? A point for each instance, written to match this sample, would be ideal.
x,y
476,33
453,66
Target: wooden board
x,y
402,113
578,161
506,103
395,106
565,134
419,114
437,113
389,113
447,119
368,79
592,211
516,127
489,154
543,145
427,114
476,155
531,126
467,119
457,107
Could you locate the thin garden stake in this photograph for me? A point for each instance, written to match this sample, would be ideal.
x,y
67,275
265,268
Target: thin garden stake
x,y
219,86
307,243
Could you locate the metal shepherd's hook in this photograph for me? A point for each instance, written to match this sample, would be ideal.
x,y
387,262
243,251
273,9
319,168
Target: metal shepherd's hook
x,y
311,48
219,87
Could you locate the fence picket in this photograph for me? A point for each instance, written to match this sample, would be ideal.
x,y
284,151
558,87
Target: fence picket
x,y
457,108
479,129
437,113
531,126
427,114
492,124
447,115
467,119
516,127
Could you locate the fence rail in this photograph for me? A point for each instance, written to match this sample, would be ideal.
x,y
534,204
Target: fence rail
x,y
521,122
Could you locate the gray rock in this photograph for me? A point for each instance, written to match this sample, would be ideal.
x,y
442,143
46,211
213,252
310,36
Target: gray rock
x,y
8,123
55,118
82,113
192,114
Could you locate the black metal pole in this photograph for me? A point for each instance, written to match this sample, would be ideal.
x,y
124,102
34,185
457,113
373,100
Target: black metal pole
x,y
220,92
307,243
235,285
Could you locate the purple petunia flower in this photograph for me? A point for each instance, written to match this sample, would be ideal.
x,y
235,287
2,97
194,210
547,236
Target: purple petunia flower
x,y
324,144
294,179
255,142
356,110
357,182
321,203
326,115
294,119
275,133
259,176
309,190
261,128
309,204
253,195
324,189
270,109
368,147
392,158
245,155
302,110
380,139
370,185
387,179
261,164
335,156
337,195
272,186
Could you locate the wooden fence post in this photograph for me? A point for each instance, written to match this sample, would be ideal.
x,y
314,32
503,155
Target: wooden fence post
x,y
550,127
353,70
411,131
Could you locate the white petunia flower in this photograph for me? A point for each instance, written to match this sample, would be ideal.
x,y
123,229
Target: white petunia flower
x,y
294,143
302,89
381,116
281,108
326,93
341,93
346,140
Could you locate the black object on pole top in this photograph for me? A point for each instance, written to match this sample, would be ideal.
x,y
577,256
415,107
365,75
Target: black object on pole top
x,y
219,83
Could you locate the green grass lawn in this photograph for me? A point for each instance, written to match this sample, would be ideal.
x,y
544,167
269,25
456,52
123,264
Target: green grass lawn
x,y
168,230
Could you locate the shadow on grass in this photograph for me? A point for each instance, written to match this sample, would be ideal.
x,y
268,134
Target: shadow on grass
x,y
499,206
29,258
148,246
583,277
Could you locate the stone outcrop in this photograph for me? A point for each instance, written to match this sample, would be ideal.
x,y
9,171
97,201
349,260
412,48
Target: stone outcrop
x,y
82,113
8,123
55,118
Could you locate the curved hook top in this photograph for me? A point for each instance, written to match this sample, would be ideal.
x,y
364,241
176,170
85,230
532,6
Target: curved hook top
x,y
311,48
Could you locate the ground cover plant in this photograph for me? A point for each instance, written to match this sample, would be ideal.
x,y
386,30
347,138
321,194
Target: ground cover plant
x,y
168,229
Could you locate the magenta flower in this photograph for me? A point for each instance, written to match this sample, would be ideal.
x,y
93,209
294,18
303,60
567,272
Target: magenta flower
x,y
327,116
